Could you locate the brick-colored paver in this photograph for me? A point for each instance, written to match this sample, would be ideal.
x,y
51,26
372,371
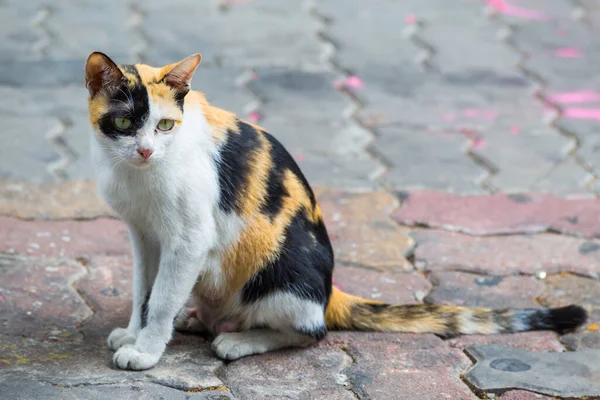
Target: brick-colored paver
x,y
568,288
64,200
64,238
505,255
523,395
391,287
361,231
38,299
501,214
431,373
473,290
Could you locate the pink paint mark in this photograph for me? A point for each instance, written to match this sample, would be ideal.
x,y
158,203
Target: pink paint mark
x,y
448,117
582,113
490,115
470,112
584,96
354,82
568,52
351,82
254,75
475,140
299,157
477,143
483,114
515,130
504,7
337,287
1,298
254,116
410,19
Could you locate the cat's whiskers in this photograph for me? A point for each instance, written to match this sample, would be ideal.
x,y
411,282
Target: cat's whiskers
x,y
129,98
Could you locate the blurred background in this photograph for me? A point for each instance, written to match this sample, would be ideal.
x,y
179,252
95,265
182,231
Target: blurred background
x,y
467,96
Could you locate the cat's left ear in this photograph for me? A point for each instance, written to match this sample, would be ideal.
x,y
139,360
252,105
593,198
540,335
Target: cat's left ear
x,y
180,74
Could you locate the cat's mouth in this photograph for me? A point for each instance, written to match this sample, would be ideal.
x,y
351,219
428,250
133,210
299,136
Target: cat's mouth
x,y
141,163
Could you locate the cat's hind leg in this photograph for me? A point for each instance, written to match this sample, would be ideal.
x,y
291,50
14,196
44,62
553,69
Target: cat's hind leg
x,y
234,345
288,321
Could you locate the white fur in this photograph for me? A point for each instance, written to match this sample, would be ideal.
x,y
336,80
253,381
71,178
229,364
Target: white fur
x,y
168,205
234,345
284,311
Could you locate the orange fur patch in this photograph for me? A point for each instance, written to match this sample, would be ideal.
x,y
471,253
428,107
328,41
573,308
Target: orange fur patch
x,y
261,239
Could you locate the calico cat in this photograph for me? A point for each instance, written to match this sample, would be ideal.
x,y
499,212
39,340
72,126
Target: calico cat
x,y
219,211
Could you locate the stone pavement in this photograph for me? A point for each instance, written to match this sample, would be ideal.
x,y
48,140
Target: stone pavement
x,y
453,148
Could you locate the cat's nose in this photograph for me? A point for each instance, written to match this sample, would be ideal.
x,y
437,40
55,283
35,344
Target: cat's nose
x,y
146,153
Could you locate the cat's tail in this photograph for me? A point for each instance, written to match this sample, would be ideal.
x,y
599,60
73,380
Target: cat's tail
x,y
345,311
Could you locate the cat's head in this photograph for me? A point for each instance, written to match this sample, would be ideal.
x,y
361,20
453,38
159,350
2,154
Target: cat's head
x,y
136,110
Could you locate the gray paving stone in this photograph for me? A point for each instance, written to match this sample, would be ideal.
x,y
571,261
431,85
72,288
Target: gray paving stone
x,y
200,26
75,28
423,159
304,111
20,387
182,367
567,375
25,153
314,373
564,179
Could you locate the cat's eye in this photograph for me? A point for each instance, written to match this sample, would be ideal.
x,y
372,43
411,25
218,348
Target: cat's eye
x,y
122,123
165,124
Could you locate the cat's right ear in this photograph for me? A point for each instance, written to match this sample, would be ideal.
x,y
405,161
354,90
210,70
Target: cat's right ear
x,y
101,72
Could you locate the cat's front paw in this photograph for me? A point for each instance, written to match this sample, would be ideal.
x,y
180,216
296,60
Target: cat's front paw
x,y
120,337
132,357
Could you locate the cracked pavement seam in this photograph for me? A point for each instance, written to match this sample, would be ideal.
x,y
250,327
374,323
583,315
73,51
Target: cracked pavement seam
x,y
352,112
508,34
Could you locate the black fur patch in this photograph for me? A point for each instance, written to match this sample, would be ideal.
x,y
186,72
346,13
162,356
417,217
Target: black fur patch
x,y
281,161
560,320
233,165
303,267
316,333
126,102
145,311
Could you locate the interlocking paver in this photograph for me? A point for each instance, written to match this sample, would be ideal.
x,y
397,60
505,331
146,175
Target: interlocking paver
x,y
319,129
460,288
505,255
23,388
431,373
217,33
534,341
567,374
391,287
501,214
38,300
64,238
314,374
361,230
62,200
572,289
523,395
